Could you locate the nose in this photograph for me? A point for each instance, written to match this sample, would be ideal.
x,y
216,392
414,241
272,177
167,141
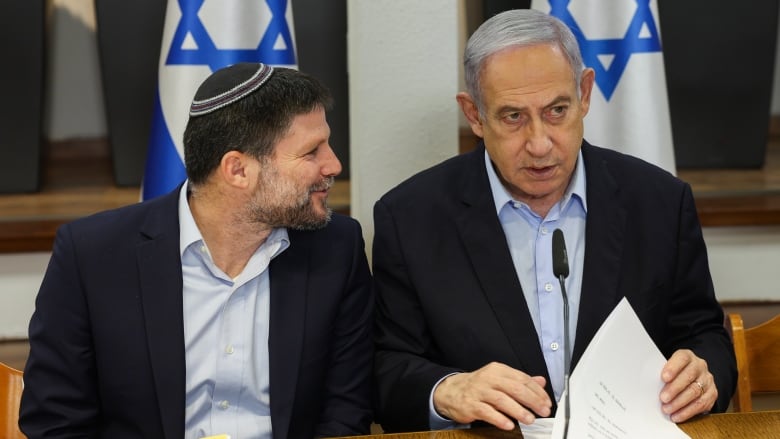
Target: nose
x,y
538,142
331,166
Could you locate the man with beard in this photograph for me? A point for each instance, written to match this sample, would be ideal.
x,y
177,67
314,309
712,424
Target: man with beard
x,y
237,304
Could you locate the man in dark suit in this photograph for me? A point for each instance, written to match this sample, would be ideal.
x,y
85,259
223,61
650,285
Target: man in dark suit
x,y
237,304
469,312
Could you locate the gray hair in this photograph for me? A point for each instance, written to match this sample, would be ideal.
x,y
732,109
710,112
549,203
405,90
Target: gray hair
x,y
516,28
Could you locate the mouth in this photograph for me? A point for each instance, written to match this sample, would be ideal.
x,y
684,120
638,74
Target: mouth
x,y
322,192
540,172
322,188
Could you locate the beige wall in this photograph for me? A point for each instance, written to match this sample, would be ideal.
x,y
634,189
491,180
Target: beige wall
x,y
403,77
73,99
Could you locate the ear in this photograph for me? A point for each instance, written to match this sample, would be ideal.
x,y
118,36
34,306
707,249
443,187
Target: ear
x,y
586,88
471,112
234,169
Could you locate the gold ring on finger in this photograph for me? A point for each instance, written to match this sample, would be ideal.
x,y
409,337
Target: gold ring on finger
x,y
700,386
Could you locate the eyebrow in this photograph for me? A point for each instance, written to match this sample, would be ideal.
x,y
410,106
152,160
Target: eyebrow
x,y
562,99
559,100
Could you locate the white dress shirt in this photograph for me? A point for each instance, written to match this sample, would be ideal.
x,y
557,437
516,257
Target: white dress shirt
x,y
226,337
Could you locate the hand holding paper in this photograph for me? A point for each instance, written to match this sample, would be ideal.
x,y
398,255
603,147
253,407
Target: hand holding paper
x,y
616,385
690,387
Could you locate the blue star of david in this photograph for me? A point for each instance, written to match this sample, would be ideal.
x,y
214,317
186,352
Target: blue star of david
x,y
207,53
622,49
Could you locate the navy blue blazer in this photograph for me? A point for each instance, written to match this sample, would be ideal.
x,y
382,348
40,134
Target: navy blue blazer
x,y
448,296
107,340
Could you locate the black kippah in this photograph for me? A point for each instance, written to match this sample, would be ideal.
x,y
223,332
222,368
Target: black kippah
x,y
229,85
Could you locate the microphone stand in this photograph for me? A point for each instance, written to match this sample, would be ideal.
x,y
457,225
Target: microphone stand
x,y
566,355
561,270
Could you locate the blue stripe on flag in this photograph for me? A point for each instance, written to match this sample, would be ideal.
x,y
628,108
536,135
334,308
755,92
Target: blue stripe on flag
x,y
164,168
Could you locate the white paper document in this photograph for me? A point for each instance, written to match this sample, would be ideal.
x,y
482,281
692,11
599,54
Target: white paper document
x,y
540,429
616,385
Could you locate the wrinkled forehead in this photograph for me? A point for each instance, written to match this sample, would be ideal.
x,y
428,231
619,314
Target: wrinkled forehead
x,y
526,67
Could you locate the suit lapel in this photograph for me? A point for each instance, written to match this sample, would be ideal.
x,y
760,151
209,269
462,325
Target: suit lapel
x,y
488,251
289,279
604,235
159,267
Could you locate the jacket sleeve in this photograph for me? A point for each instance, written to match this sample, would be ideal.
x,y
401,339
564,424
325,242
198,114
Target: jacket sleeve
x,y
405,372
60,393
347,405
696,317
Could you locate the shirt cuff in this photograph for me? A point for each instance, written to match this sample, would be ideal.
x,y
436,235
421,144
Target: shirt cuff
x,y
436,421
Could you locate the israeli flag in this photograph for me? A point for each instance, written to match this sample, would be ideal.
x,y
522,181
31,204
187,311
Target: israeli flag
x,y
201,36
621,41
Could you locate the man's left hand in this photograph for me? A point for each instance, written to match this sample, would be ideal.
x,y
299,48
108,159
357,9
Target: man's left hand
x,y
690,387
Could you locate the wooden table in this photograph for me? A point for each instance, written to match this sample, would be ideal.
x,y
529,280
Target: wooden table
x,y
754,425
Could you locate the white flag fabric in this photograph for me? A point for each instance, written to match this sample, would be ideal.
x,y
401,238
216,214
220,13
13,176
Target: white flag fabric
x,y
199,37
621,41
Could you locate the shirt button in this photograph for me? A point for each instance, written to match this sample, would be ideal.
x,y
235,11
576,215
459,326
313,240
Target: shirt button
x,y
554,346
224,404
544,230
229,349
203,249
548,287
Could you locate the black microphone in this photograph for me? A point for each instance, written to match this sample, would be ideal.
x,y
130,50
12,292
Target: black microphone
x,y
561,271
560,258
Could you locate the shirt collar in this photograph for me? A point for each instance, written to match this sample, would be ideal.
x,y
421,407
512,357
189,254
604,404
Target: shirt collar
x,y
576,188
188,230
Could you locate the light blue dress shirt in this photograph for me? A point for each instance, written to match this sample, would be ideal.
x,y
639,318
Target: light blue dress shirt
x,y
530,243
529,238
226,337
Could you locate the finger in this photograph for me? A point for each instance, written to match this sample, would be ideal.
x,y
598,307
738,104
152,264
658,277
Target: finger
x,y
700,404
488,413
527,394
679,384
698,397
694,369
531,394
678,361
683,398
511,408
527,391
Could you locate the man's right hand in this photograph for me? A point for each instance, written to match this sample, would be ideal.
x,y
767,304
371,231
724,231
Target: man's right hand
x,y
496,394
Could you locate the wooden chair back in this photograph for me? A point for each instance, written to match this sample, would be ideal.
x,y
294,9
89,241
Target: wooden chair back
x,y
10,395
758,359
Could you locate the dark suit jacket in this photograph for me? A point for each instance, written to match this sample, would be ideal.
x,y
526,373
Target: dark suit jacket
x,y
448,296
107,340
